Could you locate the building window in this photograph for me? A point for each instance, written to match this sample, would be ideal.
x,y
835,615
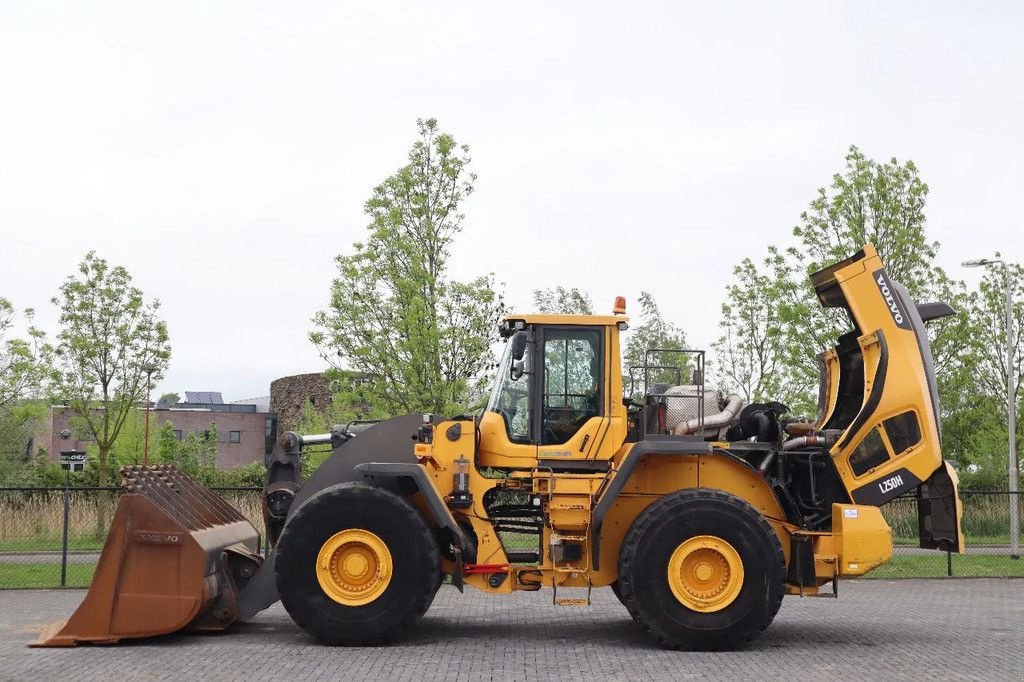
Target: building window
x,y
177,434
235,437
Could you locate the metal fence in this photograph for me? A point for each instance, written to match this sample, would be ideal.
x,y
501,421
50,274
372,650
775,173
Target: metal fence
x,y
52,537
986,528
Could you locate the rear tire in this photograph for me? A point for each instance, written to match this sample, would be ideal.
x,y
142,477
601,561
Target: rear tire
x,y
742,584
407,548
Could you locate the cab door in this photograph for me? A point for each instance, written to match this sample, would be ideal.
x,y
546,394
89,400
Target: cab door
x,y
570,415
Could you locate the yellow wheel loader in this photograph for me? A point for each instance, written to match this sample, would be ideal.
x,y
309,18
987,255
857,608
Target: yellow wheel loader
x,y
700,512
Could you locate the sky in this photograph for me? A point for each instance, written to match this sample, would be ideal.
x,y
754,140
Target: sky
x,y
222,152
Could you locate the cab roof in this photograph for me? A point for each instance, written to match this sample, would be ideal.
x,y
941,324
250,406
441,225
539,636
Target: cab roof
x,y
592,320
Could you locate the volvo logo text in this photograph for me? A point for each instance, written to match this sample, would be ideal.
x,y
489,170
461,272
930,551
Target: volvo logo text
x,y
890,300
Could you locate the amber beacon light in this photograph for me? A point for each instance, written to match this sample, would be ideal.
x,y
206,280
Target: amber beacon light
x,y
620,305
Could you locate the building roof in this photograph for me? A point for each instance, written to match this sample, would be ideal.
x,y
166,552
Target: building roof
x,y
204,397
262,403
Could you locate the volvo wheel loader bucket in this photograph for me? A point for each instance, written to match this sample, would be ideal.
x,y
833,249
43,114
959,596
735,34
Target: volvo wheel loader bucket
x,y
174,559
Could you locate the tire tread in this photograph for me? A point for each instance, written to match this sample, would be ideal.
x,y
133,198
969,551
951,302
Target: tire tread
x,y
329,630
631,548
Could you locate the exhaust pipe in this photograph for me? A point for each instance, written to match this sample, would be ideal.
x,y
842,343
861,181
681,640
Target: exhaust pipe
x,y
733,404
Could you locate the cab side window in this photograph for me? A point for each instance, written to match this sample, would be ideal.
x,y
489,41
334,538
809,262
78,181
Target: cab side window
x,y
572,382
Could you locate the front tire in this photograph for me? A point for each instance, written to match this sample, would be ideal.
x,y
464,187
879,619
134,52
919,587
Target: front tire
x,y
357,565
701,570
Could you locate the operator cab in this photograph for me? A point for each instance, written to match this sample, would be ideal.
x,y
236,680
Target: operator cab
x,y
557,396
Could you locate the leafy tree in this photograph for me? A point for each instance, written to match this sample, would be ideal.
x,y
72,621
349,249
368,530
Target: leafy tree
x,y
196,454
880,203
167,444
19,465
24,368
109,339
252,475
130,445
976,429
320,420
23,360
748,353
987,310
655,332
203,446
416,337
561,301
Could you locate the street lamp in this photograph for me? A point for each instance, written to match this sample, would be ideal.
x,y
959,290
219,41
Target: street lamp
x,y
1011,403
145,445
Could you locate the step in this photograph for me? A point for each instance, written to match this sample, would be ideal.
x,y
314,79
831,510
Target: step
x,y
523,557
571,601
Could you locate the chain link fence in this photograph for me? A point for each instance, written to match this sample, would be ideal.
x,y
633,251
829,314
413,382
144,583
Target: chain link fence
x,y
52,537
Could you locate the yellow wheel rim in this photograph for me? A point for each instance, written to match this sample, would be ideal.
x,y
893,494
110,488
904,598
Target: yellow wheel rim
x,y
705,573
354,567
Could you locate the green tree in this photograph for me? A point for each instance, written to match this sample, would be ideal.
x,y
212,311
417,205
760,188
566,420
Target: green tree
x,y
168,447
195,454
987,310
417,338
320,420
562,301
19,423
109,339
748,353
24,361
975,432
654,332
869,201
130,445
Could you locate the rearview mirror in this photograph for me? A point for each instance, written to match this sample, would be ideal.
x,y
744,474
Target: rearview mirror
x,y
519,345
518,369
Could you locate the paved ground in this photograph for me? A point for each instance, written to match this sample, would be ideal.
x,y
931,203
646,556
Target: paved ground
x,y
906,629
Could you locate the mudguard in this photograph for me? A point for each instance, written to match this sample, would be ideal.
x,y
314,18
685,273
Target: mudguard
x,y
389,441
940,511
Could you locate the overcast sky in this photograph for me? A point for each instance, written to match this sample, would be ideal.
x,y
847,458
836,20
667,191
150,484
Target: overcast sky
x,y
222,152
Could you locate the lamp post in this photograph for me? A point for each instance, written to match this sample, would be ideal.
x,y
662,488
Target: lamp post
x,y
1011,403
145,445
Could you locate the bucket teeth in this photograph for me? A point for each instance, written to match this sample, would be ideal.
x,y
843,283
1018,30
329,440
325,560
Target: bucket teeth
x,y
179,496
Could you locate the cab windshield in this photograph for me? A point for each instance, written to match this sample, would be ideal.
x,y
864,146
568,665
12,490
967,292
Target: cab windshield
x,y
511,397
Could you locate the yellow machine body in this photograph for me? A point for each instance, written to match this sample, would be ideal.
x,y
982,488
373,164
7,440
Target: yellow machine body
x,y
884,428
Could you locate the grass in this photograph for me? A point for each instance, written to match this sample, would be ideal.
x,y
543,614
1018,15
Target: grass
x,y
44,575
972,540
986,519
34,522
968,565
49,543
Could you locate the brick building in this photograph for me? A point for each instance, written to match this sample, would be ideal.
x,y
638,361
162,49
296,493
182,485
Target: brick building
x,y
246,430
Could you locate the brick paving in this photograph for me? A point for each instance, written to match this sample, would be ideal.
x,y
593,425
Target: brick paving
x,y
901,629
